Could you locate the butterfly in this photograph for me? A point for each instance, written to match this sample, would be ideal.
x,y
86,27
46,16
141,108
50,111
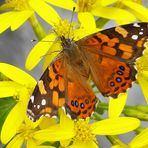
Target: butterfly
x,y
106,57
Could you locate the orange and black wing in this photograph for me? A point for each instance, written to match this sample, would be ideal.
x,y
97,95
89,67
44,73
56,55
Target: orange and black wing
x,y
81,101
55,90
49,93
111,55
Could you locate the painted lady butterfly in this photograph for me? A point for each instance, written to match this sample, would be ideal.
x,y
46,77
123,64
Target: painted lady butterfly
x,y
107,57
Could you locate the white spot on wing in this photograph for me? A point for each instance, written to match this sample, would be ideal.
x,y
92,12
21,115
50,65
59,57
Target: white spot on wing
x,y
54,117
38,106
64,109
47,115
142,29
43,102
136,25
134,37
145,44
140,33
32,99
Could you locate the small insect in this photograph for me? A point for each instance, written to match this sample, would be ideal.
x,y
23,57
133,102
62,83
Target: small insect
x,y
107,57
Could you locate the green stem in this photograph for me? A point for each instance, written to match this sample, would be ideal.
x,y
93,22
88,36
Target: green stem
x,y
135,113
142,108
139,130
96,116
37,27
116,141
139,111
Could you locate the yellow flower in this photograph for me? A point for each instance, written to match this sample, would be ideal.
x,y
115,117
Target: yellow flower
x,y
140,141
142,76
82,134
49,45
20,88
25,134
90,8
21,10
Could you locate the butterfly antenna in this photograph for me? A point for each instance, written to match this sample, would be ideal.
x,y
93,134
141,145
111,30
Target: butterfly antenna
x,y
74,8
34,40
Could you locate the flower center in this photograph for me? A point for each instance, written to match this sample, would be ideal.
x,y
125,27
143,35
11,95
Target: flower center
x,y
141,64
83,131
85,5
25,131
64,28
18,4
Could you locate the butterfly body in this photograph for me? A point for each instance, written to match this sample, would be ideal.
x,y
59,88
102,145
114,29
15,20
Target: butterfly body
x,y
107,57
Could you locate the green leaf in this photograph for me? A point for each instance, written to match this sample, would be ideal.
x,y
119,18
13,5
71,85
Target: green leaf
x,y
100,22
6,104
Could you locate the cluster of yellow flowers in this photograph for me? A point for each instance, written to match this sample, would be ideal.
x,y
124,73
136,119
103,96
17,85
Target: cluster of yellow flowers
x,y
15,127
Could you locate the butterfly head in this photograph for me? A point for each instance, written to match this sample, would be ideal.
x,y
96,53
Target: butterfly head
x,y
67,43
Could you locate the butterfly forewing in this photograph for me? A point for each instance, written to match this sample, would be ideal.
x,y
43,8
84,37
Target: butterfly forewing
x,y
49,93
111,55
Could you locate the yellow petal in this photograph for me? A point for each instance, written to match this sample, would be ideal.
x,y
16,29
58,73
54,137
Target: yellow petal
x,y
6,19
65,143
89,23
55,133
113,13
16,142
9,84
65,120
117,105
116,146
47,122
51,54
32,144
145,74
81,33
7,6
140,140
17,75
141,10
41,146
144,85
106,2
30,123
39,50
67,4
115,126
12,122
20,18
80,144
45,11
8,89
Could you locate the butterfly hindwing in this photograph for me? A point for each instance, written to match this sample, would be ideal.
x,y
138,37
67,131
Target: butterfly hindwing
x,y
81,101
109,50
